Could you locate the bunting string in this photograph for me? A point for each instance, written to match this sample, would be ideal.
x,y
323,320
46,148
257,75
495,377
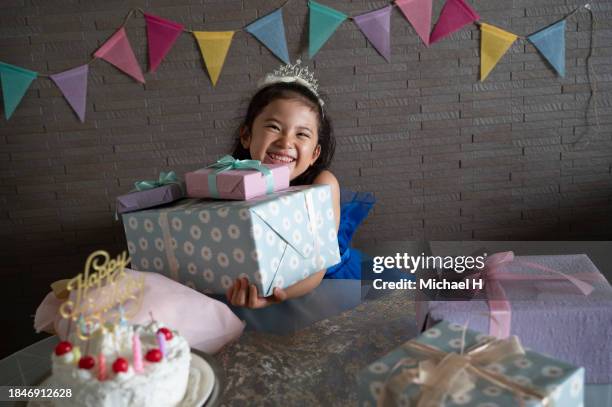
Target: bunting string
x,y
592,78
48,75
324,21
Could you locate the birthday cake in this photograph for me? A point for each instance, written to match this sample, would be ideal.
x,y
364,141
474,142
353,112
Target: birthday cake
x,y
123,365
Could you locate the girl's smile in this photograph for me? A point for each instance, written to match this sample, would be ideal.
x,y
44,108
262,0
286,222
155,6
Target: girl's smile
x,y
280,157
285,132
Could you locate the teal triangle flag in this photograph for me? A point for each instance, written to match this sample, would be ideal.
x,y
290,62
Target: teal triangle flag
x,y
15,83
270,30
551,43
323,23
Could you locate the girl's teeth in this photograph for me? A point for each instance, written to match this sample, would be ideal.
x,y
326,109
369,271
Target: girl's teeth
x,y
280,158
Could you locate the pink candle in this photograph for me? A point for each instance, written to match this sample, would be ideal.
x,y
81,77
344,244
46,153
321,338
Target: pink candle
x,y
161,341
137,353
101,367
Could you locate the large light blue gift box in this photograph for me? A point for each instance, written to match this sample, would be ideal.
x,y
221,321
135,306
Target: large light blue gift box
x,y
274,240
556,383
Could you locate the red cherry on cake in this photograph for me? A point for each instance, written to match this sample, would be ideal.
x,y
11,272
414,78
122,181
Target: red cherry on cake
x,y
154,355
87,362
120,365
167,333
63,348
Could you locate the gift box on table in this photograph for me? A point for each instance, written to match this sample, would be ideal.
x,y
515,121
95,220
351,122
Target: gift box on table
x,y
148,194
274,240
229,178
557,305
449,365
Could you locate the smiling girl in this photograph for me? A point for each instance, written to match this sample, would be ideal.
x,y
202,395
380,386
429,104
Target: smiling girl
x,y
286,123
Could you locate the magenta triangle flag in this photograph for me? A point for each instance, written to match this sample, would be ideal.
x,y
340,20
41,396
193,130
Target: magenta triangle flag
x,y
73,84
375,26
418,12
161,36
454,15
118,51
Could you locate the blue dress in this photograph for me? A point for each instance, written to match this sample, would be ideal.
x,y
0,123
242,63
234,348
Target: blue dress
x,y
354,208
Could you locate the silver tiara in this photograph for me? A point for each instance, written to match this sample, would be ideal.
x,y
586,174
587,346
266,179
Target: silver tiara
x,y
293,74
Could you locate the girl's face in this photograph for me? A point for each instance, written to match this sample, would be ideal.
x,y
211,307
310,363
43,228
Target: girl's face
x,y
285,132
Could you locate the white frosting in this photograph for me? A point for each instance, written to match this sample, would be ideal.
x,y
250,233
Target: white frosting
x,y
161,383
65,359
125,376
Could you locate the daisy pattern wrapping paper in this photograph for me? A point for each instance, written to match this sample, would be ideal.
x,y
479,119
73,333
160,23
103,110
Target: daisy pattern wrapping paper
x,y
275,240
392,381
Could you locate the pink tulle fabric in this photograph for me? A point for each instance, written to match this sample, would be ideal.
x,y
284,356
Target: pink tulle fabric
x,y
206,323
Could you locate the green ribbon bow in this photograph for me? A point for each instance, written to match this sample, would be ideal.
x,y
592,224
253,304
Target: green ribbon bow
x,y
227,162
165,178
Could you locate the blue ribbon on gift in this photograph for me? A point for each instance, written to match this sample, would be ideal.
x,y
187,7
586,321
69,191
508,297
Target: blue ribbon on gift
x,y
165,178
227,162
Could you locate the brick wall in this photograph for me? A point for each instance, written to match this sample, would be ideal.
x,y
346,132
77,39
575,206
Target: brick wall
x,y
447,157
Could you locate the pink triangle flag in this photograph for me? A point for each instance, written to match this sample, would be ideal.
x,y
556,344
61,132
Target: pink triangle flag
x,y
161,35
454,15
118,51
73,84
418,12
376,26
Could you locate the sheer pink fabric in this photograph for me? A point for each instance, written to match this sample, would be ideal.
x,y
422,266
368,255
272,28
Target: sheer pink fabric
x,y
207,324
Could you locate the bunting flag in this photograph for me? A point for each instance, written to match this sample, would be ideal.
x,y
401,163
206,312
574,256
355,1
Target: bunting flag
x,y
73,84
270,30
118,51
375,25
214,46
15,83
494,42
418,12
454,15
551,43
323,23
161,36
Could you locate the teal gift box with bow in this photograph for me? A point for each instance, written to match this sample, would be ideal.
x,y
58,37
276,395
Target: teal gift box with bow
x,y
149,193
233,179
450,365
274,240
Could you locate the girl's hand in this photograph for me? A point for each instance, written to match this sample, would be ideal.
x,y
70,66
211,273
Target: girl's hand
x,y
243,294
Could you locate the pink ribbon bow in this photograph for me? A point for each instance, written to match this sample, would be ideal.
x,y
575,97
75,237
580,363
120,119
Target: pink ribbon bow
x,y
499,305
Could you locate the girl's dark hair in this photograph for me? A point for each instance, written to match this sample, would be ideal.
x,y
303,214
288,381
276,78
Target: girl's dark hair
x,y
283,90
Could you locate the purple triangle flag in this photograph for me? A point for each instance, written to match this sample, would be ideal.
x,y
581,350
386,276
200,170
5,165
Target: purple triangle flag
x,y
375,26
73,84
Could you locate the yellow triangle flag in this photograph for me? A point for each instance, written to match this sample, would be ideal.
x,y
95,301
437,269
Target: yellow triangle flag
x,y
214,46
494,42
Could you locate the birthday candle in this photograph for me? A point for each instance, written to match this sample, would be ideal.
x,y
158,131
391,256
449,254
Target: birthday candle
x,y
161,340
137,353
122,321
68,328
76,354
101,367
82,326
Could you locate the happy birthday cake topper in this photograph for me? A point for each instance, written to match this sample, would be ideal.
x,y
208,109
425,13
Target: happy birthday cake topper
x,y
103,294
